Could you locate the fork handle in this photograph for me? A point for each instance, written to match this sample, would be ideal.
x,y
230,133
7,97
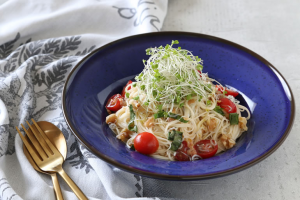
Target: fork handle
x,y
71,183
56,187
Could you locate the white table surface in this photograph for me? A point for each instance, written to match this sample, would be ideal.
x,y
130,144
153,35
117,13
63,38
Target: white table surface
x,y
270,28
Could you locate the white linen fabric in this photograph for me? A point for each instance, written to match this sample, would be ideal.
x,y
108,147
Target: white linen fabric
x,y
40,42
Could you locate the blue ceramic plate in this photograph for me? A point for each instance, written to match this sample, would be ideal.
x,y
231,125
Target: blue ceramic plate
x,y
106,70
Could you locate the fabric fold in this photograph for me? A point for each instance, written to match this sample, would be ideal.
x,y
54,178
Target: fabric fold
x,y
40,42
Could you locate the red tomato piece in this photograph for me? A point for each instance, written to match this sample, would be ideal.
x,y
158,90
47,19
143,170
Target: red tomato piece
x,y
123,92
206,148
228,91
114,103
231,92
227,105
181,153
146,143
220,88
200,73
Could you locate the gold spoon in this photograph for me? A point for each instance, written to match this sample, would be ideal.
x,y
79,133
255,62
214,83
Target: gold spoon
x,y
57,138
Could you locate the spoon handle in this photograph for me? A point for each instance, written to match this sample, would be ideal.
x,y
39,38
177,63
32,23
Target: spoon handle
x,y
56,187
71,183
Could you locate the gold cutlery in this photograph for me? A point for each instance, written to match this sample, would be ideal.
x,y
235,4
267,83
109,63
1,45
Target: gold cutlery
x,y
46,156
57,138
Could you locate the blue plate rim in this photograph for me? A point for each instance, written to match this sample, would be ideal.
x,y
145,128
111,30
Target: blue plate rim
x,y
181,177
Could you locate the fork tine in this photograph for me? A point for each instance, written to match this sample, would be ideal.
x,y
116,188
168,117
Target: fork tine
x,y
36,144
41,141
30,149
50,145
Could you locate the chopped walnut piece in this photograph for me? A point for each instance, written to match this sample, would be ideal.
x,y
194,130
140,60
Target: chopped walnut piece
x,y
124,135
191,151
211,124
122,102
149,123
227,141
191,101
243,123
169,119
135,104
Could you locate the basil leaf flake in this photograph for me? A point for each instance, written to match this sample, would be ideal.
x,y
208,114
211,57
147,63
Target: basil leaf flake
x,y
178,117
219,110
131,125
176,141
233,118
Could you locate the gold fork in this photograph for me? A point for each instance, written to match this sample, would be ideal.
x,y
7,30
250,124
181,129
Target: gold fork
x,y
46,156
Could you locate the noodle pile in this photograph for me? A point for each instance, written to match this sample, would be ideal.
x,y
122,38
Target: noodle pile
x,y
196,106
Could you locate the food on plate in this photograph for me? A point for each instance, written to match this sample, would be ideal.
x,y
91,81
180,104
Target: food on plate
x,y
174,111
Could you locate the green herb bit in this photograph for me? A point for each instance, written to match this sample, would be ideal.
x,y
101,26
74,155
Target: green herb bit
x,y
176,136
136,98
219,110
160,89
143,87
154,93
139,77
159,114
199,67
134,129
208,102
177,99
178,88
178,76
154,66
134,85
127,95
131,125
208,88
178,117
200,98
189,58
172,134
132,147
188,97
159,107
146,103
175,42
181,105
224,92
233,118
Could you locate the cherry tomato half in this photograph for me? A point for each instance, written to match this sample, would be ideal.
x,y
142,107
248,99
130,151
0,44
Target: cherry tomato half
x,y
181,153
123,92
206,148
228,91
227,105
114,103
146,143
